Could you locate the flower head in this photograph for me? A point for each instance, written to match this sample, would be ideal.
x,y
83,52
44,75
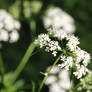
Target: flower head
x,y
58,41
44,41
59,19
8,27
58,81
81,71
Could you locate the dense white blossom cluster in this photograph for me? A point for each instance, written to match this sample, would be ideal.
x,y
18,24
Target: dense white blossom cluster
x,y
58,81
57,33
81,70
78,58
56,17
72,56
67,62
82,56
8,27
60,38
72,42
49,45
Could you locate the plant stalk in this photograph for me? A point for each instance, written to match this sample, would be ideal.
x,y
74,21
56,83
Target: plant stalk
x,y
24,61
45,75
2,68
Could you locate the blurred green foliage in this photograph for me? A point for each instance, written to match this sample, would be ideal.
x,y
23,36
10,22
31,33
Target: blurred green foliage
x,y
30,13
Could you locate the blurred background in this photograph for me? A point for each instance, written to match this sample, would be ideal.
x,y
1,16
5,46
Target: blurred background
x,y
30,14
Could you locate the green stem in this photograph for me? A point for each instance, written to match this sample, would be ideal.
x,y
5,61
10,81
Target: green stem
x,y
42,83
32,25
2,69
33,87
24,61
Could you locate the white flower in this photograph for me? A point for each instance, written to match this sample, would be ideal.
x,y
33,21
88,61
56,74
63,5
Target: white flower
x,y
81,71
3,14
82,56
58,81
7,26
72,42
50,80
63,58
17,24
79,53
67,62
60,20
64,80
53,46
86,59
56,88
60,34
14,36
9,23
4,36
54,53
72,56
44,41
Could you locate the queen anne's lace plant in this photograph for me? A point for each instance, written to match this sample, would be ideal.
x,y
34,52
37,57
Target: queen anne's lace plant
x,y
72,57
56,17
58,81
8,27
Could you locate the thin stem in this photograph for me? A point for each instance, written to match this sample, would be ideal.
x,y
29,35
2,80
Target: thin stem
x,y
33,87
2,68
32,25
24,61
42,83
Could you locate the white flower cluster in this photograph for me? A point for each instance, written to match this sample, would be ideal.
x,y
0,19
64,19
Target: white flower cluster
x,y
57,33
67,62
72,56
79,61
49,45
72,42
82,56
8,27
58,81
56,17
81,70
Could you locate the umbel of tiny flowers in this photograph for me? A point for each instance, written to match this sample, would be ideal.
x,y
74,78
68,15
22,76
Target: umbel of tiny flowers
x,y
71,56
8,27
50,45
58,81
58,18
